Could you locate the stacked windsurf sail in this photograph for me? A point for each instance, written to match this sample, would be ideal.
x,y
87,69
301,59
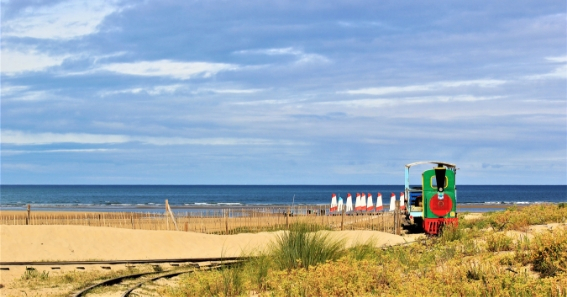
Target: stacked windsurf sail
x,y
333,203
369,203
357,202
364,203
348,203
379,206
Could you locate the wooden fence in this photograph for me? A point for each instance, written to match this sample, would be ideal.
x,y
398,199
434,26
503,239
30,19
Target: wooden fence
x,y
213,221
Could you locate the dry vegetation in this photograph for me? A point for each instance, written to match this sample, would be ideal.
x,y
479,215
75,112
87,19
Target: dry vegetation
x,y
476,259
496,254
44,283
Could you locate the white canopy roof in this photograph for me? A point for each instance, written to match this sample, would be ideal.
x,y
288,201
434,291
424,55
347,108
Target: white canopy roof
x,y
449,165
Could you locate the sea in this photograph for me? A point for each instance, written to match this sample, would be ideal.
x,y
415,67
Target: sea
x,y
151,198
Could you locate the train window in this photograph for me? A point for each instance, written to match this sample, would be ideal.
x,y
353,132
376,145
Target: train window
x,y
434,182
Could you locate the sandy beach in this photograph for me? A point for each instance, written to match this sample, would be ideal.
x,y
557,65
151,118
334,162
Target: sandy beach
x,y
78,241
81,243
69,243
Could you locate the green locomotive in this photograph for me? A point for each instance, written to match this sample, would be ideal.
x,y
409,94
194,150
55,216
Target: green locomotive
x,y
434,203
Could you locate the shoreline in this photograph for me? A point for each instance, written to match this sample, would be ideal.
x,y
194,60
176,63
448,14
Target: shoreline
x,y
213,208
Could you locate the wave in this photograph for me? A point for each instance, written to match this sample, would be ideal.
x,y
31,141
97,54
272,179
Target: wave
x,y
114,205
503,202
218,203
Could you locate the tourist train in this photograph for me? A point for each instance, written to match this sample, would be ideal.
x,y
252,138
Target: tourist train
x,y
434,203
428,206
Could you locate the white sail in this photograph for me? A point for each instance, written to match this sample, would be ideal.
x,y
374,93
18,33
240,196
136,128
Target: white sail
x,y
379,206
340,206
333,203
349,203
393,202
369,203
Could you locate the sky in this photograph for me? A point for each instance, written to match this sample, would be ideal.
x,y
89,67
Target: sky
x,y
282,92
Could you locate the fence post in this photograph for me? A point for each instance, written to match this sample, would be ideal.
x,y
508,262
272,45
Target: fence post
x,y
343,218
397,219
287,218
226,222
28,217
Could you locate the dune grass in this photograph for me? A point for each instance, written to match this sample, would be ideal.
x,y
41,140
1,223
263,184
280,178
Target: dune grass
x,y
300,248
474,259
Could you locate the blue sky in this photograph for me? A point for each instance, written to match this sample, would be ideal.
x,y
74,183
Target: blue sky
x,y
282,92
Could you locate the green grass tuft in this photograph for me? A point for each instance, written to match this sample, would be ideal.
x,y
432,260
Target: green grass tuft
x,y
301,248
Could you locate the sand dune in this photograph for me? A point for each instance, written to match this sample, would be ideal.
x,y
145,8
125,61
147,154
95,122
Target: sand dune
x,y
75,243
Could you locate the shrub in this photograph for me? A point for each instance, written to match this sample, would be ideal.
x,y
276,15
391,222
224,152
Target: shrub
x,y
498,242
366,250
32,273
451,232
231,284
477,223
222,282
548,253
519,218
257,269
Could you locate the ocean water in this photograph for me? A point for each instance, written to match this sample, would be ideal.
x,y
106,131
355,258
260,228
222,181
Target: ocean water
x,y
152,197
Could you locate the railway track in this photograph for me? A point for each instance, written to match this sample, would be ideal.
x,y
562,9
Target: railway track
x,y
112,262
127,284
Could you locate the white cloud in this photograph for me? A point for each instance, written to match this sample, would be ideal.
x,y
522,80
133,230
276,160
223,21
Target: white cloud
x,y
177,70
235,91
302,57
14,62
29,96
19,152
210,141
65,20
559,72
483,83
387,90
171,89
560,59
153,91
273,51
269,102
364,24
9,90
365,103
112,55
24,138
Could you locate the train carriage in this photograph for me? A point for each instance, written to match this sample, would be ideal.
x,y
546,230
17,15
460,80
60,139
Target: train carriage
x,y
434,203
